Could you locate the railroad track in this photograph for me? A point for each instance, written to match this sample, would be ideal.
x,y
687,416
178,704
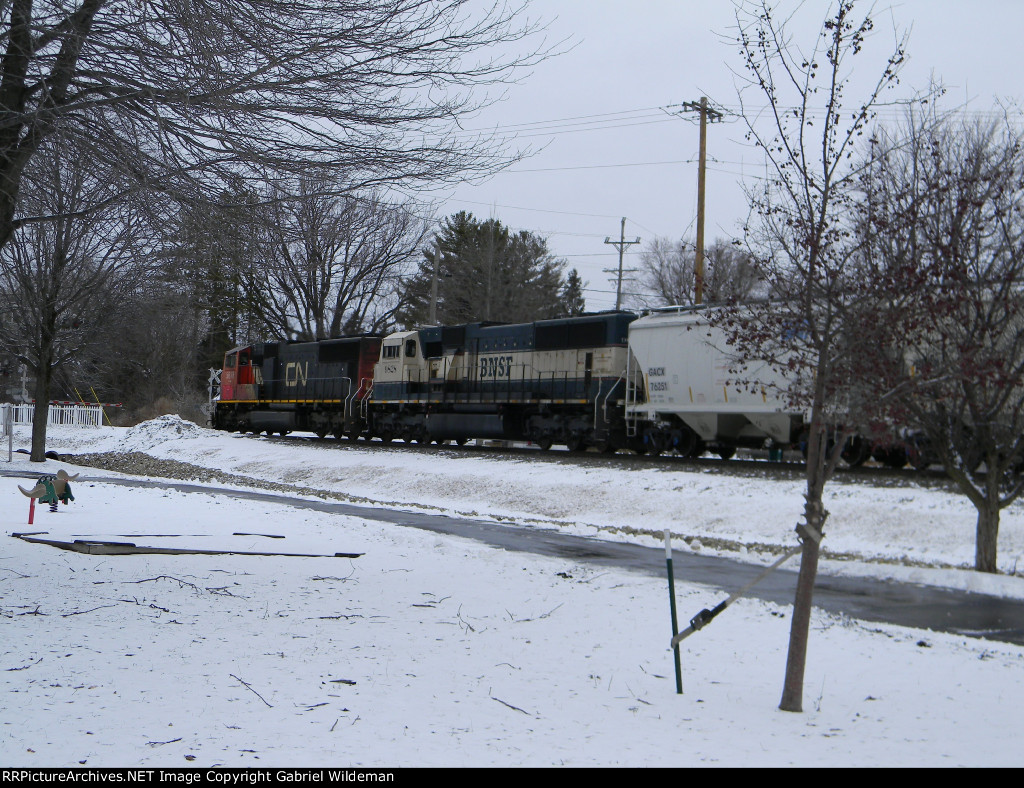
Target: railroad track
x,y
746,463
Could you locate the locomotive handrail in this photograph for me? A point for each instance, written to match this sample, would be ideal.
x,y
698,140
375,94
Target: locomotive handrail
x,y
364,403
607,396
630,417
347,398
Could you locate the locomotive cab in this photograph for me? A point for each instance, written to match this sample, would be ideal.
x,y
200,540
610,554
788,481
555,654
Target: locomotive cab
x,y
239,378
402,369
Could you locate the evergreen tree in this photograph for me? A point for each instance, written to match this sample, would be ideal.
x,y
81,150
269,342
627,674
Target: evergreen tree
x,y
572,294
483,271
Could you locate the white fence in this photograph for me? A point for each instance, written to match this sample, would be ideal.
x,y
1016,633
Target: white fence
x,y
60,415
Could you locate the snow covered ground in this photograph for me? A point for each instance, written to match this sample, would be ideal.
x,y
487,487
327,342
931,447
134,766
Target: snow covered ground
x,y
430,650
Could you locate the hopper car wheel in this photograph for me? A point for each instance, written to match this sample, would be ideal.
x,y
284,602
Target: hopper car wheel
x,y
655,443
545,443
919,461
856,451
726,452
688,443
895,458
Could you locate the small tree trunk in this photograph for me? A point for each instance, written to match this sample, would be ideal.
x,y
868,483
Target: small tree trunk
x,y
814,521
986,537
793,686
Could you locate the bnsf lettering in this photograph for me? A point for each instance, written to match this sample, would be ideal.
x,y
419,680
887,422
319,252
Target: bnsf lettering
x,y
295,373
656,372
496,367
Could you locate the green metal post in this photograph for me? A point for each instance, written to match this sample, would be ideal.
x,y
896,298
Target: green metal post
x,y
672,607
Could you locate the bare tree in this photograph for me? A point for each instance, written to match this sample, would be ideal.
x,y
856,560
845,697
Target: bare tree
x,y
171,91
943,218
333,265
802,247
212,254
667,273
145,355
61,279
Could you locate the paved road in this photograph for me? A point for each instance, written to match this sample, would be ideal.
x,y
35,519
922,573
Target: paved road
x,y
904,604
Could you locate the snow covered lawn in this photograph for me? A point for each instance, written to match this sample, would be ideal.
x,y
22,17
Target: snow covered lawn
x,y
431,651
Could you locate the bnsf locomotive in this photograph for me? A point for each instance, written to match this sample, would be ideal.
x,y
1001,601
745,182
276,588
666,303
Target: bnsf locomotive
x,y
610,380
553,381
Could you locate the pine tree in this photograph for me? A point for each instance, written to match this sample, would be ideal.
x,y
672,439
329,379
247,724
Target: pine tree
x,y
485,272
572,294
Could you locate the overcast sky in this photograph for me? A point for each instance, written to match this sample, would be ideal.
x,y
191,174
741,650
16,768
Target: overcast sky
x,y
608,149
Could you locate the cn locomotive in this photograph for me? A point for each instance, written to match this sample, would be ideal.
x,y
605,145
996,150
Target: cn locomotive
x,y
609,380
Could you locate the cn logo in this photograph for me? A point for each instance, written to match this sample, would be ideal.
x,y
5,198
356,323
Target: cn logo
x,y
296,373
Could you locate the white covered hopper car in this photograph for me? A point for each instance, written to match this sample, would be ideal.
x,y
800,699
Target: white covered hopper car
x,y
686,395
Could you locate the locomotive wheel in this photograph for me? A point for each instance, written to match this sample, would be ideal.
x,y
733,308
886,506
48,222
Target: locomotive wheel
x,y
386,436
545,443
462,441
575,443
321,434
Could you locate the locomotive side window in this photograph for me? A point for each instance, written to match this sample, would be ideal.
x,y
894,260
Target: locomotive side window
x,y
391,351
410,348
229,362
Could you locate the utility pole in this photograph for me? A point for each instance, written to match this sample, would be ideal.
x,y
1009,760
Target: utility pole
x,y
706,114
621,244
433,286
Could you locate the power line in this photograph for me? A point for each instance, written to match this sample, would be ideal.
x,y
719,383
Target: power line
x,y
608,166
535,210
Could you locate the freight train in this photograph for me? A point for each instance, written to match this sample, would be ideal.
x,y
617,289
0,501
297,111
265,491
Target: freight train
x,y
609,380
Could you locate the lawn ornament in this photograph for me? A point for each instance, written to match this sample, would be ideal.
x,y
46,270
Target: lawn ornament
x,y
51,490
